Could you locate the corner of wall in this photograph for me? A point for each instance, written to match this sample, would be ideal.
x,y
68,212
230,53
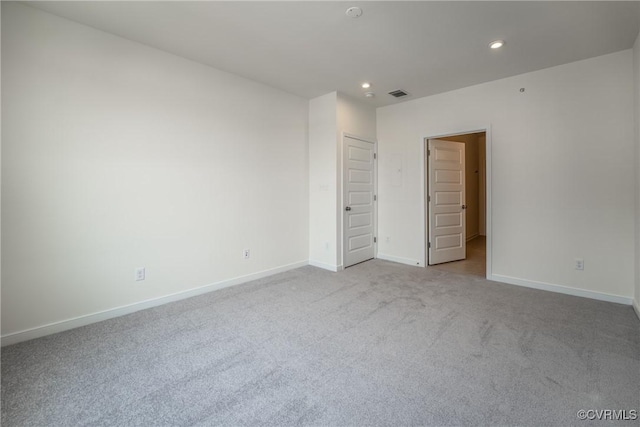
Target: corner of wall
x,y
1,147
636,81
323,162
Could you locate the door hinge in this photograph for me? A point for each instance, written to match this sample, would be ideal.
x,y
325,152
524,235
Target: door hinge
x,y
428,198
429,245
375,198
375,240
428,152
375,155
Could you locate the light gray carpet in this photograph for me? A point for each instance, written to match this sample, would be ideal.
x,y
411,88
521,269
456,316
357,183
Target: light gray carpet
x,y
377,344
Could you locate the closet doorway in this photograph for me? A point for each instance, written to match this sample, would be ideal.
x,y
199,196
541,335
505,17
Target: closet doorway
x,y
472,210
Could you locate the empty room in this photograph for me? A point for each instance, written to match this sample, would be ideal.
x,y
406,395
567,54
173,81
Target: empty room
x,y
320,213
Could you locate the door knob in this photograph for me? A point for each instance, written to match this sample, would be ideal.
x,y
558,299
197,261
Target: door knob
x,y
464,206
348,208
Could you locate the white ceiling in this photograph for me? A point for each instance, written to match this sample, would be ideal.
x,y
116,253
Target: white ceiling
x,y
312,48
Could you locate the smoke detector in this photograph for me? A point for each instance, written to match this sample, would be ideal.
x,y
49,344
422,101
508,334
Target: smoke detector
x,y
354,12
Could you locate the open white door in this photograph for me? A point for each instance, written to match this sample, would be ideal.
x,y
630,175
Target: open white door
x,y
446,201
358,201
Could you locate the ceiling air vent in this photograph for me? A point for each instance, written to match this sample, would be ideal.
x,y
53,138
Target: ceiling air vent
x,y
398,93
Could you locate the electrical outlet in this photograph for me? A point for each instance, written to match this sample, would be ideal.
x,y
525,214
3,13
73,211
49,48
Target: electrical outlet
x,y
579,264
246,254
140,273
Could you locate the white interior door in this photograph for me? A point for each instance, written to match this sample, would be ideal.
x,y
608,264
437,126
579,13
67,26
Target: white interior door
x,y
446,201
358,201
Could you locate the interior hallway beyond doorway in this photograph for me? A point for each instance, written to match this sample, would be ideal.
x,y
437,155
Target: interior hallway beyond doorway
x,y
474,264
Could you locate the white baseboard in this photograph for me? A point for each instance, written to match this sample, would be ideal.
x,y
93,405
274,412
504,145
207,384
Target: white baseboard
x,y
64,325
636,307
325,266
408,261
561,289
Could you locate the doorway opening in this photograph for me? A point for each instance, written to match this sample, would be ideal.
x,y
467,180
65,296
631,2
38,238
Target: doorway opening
x,y
456,203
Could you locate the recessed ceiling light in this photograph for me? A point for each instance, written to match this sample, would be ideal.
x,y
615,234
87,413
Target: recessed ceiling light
x,y
366,85
496,44
354,12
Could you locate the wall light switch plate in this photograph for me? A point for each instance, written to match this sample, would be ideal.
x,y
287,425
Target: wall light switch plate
x,y
140,273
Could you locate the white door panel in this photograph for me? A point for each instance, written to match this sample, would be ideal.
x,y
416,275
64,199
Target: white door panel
x,y
358,201
446,207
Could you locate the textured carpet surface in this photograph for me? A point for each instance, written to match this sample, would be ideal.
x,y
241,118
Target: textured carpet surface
x,y
377,344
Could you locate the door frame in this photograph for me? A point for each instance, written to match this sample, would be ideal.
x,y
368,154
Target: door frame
x,y
443,133
342,204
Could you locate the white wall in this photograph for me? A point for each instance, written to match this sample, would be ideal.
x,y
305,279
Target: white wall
x,y
1,173
356,117
323,182
636,80
117,156
562,173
